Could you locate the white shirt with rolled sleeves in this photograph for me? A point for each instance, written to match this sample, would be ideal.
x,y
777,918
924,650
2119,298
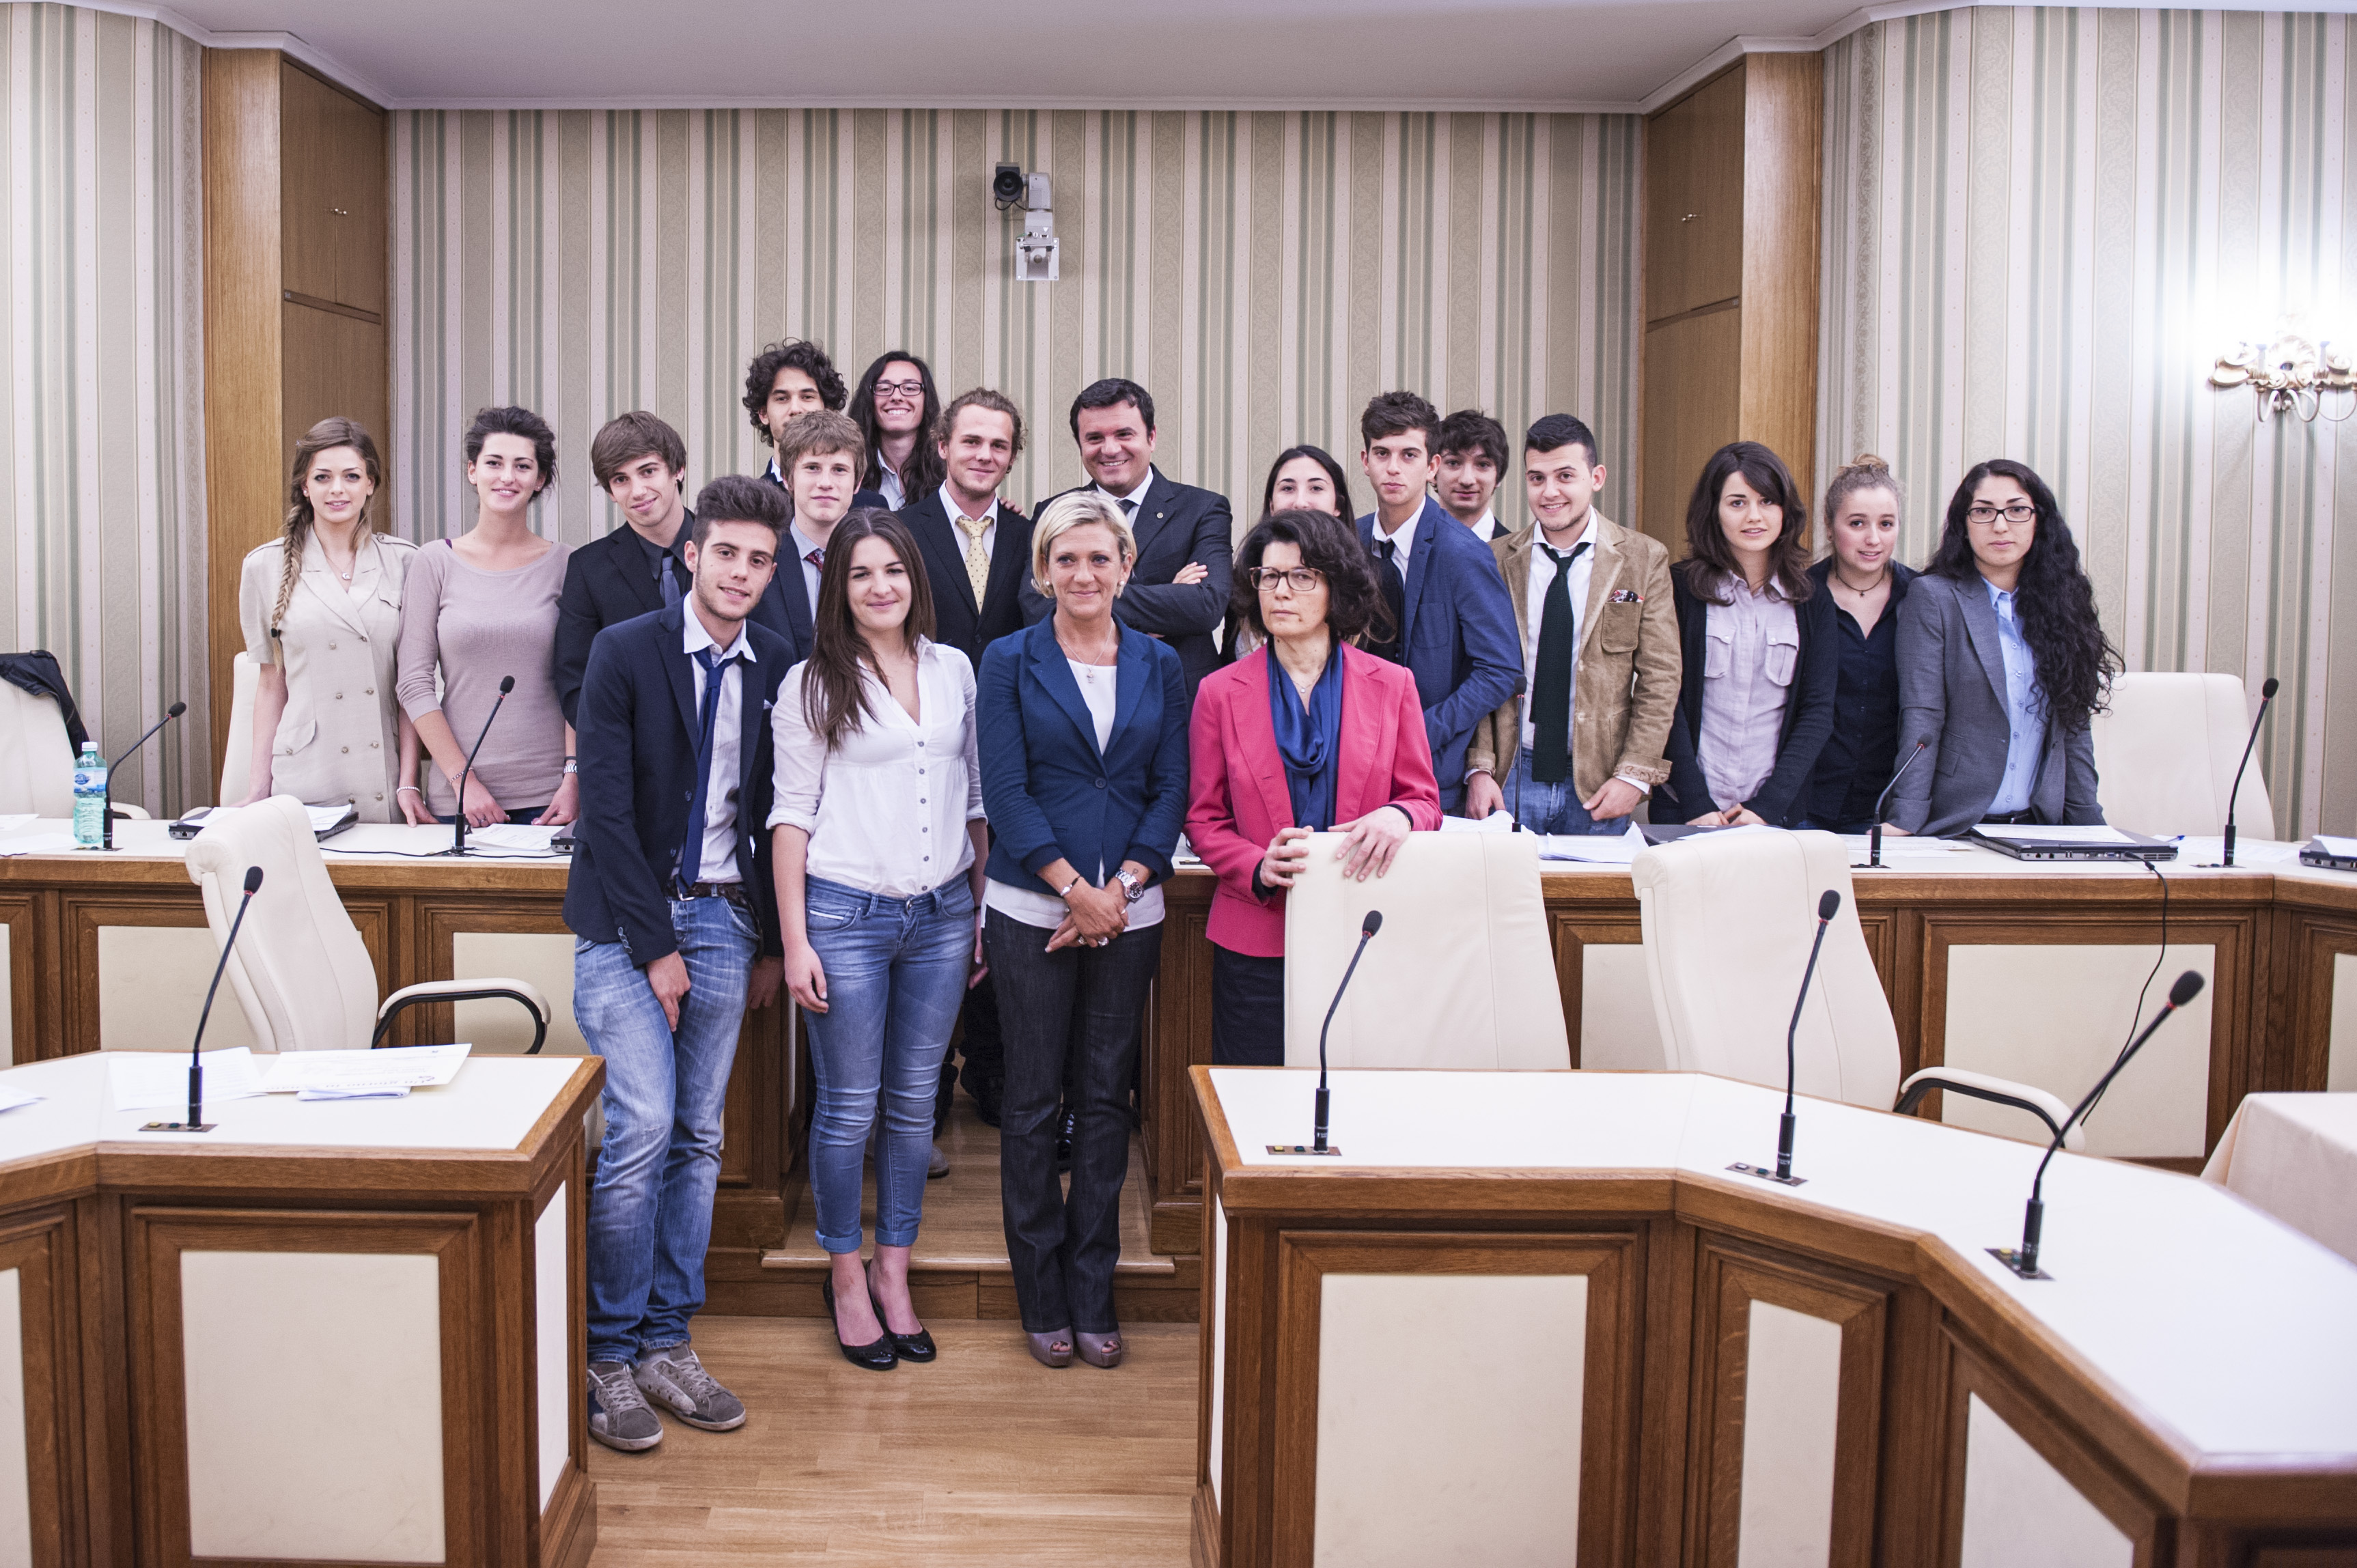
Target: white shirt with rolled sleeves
x,y
886,811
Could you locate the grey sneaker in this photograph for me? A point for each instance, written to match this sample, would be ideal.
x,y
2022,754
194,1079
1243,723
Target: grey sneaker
x,y
675,1379
619,1416
937,1163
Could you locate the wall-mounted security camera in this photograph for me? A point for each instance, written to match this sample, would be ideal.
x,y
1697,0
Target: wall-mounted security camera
x,y
1035,258
1007,184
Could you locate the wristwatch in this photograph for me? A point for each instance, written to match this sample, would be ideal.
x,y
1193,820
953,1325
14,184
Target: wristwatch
x,y
571,767
1131,888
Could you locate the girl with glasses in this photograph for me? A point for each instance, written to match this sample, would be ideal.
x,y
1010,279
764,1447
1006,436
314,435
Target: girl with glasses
x,y
2001,664
895,405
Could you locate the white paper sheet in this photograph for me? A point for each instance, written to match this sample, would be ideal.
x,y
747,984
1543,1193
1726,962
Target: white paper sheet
x,y
1495,823
2095,835
12,821
10,1100
317,1075
1616,849
41,843
158,1080
512,835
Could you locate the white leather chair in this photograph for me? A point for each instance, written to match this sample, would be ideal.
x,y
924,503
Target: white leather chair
x,y
2165,751
1461,975
37,760
300,969
1728,919
237,757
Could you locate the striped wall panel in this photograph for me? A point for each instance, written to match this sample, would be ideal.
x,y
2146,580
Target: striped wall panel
x,y
101,448
2041,228
1262,273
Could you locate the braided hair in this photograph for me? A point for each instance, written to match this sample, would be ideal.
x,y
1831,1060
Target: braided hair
x,y
325,436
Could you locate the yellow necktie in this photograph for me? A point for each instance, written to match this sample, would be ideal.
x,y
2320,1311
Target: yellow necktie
x,y
977,559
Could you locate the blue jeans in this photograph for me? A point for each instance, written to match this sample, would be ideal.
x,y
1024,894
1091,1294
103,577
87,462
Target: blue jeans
x,y
651,1207
1553,808
895,973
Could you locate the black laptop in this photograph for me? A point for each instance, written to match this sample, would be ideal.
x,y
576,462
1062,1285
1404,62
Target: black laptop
x,y
2028,841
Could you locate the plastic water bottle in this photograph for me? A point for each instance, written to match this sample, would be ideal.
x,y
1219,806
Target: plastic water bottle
x,y
89,796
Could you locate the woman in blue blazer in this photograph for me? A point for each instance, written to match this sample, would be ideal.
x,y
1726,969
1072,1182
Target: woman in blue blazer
x,y
1082,733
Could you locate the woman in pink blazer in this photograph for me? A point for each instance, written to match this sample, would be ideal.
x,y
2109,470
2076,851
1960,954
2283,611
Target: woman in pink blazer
x,y
1305,733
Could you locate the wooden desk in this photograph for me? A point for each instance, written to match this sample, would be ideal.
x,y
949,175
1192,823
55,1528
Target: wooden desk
x,y
1533,1317
2278,941
327,1331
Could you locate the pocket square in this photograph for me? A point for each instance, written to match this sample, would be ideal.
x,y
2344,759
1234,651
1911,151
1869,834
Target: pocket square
x,y
1626,596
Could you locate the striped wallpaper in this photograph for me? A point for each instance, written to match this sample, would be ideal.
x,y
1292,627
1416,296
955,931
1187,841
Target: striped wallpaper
x,y
101,448
2041,228
1262,273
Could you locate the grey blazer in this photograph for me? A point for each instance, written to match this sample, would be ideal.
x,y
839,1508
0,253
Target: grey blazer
x,y
1952,696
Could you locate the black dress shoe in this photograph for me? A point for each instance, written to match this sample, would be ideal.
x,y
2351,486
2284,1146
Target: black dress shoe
x,y
917,1347
1064,1143
877,1356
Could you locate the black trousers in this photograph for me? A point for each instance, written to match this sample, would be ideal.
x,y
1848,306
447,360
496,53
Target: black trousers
x,y
1086,1005
1247,1009
980,1043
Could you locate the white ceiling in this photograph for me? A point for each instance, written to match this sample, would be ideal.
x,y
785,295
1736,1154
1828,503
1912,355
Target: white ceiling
x,y
1602,55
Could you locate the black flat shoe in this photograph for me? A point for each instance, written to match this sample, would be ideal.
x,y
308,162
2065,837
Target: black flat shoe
x,y
1064,1130
917,1347
876,1357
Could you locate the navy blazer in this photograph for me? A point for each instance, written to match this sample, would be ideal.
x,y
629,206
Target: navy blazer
x,y
958,621
1174,524
1048,792
606,583
1463,647
637,734
1783,801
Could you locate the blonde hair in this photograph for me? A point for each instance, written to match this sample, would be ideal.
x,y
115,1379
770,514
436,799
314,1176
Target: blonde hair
x,y
1076,509
1864,472
325,436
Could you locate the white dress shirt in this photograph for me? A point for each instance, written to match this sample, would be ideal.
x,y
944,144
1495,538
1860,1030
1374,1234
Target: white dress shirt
x,y
886,811
888,485
1135,499
1100,688
718,860
1401,542
952,510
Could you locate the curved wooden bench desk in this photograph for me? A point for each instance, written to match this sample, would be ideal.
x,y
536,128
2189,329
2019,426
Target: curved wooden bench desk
x,y
1533,1317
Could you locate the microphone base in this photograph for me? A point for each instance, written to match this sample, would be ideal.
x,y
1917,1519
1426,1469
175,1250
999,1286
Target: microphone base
x,y
177,1126
1768,1173
1303,1149
2011,1258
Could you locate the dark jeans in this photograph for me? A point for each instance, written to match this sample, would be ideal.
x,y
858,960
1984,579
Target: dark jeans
x,y
1087,1003
1247,1009
983,1049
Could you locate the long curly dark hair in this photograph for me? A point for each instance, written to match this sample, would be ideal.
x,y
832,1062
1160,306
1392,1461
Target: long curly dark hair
x,y
2053,598
922,474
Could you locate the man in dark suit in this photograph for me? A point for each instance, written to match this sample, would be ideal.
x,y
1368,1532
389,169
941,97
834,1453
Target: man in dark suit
x,y
1178,588
787,379
977,553
671,895
1468,458
641,465
1451,622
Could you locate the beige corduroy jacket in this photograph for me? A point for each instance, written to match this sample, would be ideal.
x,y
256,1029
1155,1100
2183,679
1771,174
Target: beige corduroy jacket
x,y
1625,685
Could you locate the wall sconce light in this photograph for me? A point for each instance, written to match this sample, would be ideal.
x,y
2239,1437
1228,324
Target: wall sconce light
x,y
2289,374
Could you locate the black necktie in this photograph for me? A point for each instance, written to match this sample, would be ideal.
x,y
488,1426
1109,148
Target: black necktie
x,y
1128,507
716,672
1551,682
667,578
1393,648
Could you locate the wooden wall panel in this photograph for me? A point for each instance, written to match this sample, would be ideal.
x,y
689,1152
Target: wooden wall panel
x,y
332,192
243,347
1783,155
1694,198
335,364
1691,406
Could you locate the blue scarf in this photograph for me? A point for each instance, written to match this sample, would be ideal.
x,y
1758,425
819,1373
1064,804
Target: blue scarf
x,y
1309,739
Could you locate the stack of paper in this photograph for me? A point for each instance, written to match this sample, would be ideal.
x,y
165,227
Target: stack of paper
x,y
158,1080
1615,848
513,835
363,1075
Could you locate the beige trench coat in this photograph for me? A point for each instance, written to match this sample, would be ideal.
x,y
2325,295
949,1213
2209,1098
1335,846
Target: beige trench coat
x,y
338,738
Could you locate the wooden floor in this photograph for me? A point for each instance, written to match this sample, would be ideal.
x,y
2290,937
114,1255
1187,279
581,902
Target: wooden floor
x,y
983,1457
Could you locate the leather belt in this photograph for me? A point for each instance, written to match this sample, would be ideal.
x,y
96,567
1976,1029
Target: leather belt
x,y
732,891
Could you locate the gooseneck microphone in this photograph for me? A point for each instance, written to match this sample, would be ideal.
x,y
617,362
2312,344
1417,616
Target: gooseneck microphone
x,y
1873,833
1828,906
196,1122
1317,1144
107,802
2023,1261
2267,696
459,828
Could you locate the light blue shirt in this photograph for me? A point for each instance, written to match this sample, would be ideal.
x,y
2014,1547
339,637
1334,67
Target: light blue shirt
x,y
2025,708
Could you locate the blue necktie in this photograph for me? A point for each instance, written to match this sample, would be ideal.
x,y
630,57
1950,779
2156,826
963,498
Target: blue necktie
x,y
716,672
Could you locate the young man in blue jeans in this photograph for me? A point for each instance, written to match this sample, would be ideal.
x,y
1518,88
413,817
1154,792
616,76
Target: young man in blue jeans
x,y
671,901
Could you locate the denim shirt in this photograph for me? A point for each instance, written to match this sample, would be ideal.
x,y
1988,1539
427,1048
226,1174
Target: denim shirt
x,y
2025,709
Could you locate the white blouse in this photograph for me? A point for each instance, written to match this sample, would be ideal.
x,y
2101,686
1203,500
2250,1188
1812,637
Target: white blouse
x,y
886,811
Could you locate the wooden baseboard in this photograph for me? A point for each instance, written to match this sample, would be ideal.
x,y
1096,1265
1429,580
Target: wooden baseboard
x,y
568,1530
1203,1539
